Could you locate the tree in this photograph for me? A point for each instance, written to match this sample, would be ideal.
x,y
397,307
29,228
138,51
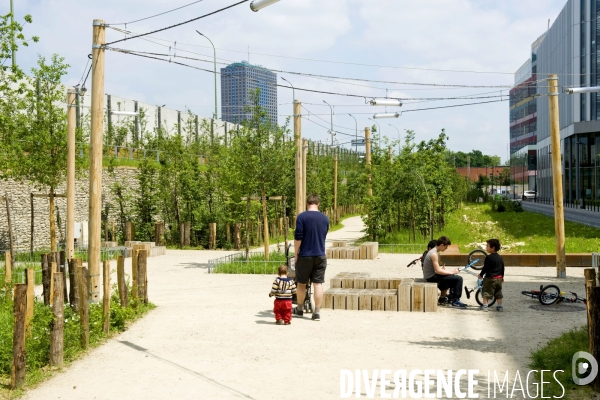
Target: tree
x,y
39,149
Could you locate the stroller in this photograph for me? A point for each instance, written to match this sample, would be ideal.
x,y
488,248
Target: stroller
x,y
307,307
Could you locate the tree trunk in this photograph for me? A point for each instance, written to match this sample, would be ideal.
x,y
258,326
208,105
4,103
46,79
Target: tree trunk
x,y
52,223
247,227
265,222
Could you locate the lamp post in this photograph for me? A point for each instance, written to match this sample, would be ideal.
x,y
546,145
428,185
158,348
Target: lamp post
x,y
356,134
331,130
378,131
257,5
293,88
215,68
399,146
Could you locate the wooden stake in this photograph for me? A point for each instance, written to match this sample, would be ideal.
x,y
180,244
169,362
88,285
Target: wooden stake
x,y
593,305
159,232
95,176
122,286
236,236
335,179
128,231
298,159
73,283
71,125
18,362
46,279
557,184
52,220
53,270
134,272
7,268
368,157
265,224
32,223
304,156
82,277
106,296
141,275
228,233
182,235
187,227
590,283
30,282
58,323
63,270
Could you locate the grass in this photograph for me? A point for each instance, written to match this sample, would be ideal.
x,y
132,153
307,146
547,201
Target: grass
x,y
256,264
557,355
38,347
534,231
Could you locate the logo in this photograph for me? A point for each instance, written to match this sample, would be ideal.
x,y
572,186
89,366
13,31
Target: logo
x,y
589,368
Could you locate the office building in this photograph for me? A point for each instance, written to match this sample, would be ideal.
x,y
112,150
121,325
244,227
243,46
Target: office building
x,y
237,82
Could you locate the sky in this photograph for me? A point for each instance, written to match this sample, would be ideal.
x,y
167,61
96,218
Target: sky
x,y
442,42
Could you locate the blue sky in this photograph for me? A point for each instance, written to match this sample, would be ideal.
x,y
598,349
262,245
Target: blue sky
x,y
478,35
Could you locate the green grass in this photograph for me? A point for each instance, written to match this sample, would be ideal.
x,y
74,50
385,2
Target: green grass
x,y
557,355
535,231
38,346
256,264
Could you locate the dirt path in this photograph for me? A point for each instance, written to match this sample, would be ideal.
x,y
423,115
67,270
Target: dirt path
x,y
213,336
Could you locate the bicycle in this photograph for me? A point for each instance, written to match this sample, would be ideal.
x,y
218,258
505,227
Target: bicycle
x,y
475,261
551,294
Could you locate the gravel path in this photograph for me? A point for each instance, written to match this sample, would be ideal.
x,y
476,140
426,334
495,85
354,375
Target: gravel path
x,y
213,336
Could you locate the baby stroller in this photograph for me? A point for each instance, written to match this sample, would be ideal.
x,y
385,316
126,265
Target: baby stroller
x,y
308,305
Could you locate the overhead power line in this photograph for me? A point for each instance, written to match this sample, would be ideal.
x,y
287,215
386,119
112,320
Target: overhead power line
x,y
179,24
157,15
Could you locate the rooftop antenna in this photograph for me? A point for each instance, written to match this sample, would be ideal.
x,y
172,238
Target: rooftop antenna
x,y
249,49
548,24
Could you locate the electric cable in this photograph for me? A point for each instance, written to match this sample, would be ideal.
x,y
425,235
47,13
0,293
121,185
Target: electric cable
x,y
179,24
157,15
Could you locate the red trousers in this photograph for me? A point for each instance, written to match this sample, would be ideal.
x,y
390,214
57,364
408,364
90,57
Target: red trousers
x,y
283,310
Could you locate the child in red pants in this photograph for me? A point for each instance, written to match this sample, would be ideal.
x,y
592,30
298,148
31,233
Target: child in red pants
x,y
283,288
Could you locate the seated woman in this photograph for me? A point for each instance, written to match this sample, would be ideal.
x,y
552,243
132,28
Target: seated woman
x,y
445,279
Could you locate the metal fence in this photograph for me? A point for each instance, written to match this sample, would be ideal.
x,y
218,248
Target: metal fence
x,y
255,264
588,205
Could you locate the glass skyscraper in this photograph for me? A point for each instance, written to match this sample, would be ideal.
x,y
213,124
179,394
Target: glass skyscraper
x,y
237,81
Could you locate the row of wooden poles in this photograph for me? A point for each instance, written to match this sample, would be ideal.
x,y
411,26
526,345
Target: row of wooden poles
x,y
55,294
256,236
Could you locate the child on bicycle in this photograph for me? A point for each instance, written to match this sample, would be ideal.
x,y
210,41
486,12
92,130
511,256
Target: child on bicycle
x,y
493,270
283,289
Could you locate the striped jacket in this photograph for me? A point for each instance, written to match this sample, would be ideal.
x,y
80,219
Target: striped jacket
x,y
283,288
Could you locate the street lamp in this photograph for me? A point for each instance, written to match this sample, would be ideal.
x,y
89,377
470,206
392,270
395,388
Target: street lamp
x,y
386,115
386,102
591,89
331,130
356,134
260,4
215,66
378,131
293,88
399,146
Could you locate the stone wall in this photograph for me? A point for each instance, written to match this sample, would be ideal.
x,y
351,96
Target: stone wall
x,y
20,207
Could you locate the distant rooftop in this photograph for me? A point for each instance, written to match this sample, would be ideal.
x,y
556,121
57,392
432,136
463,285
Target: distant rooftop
x,y
246,64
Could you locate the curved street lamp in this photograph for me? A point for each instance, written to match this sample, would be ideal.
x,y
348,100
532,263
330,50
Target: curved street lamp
x,y
331,130
356,134
257,5
293,88
215,66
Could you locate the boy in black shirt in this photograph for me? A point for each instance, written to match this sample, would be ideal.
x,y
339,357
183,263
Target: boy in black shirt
x,y
493,269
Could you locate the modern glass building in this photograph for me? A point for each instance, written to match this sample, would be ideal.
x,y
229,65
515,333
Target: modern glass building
x,y
237,81
570,49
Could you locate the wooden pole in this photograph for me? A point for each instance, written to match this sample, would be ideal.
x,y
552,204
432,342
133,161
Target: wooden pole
x,y
32,221
30,282
82,277
121,281
45,279
335,179
106,296
368,157
52,220
58,323
71,125
63,269
228,233
97,129
18,363
265,224
304,157
182,235
128,231
187,229
7,267
593,305
590,282
236,236
285,222
10,235
52,267
298,159
74,287
248,226
134,271
557,184
141,267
